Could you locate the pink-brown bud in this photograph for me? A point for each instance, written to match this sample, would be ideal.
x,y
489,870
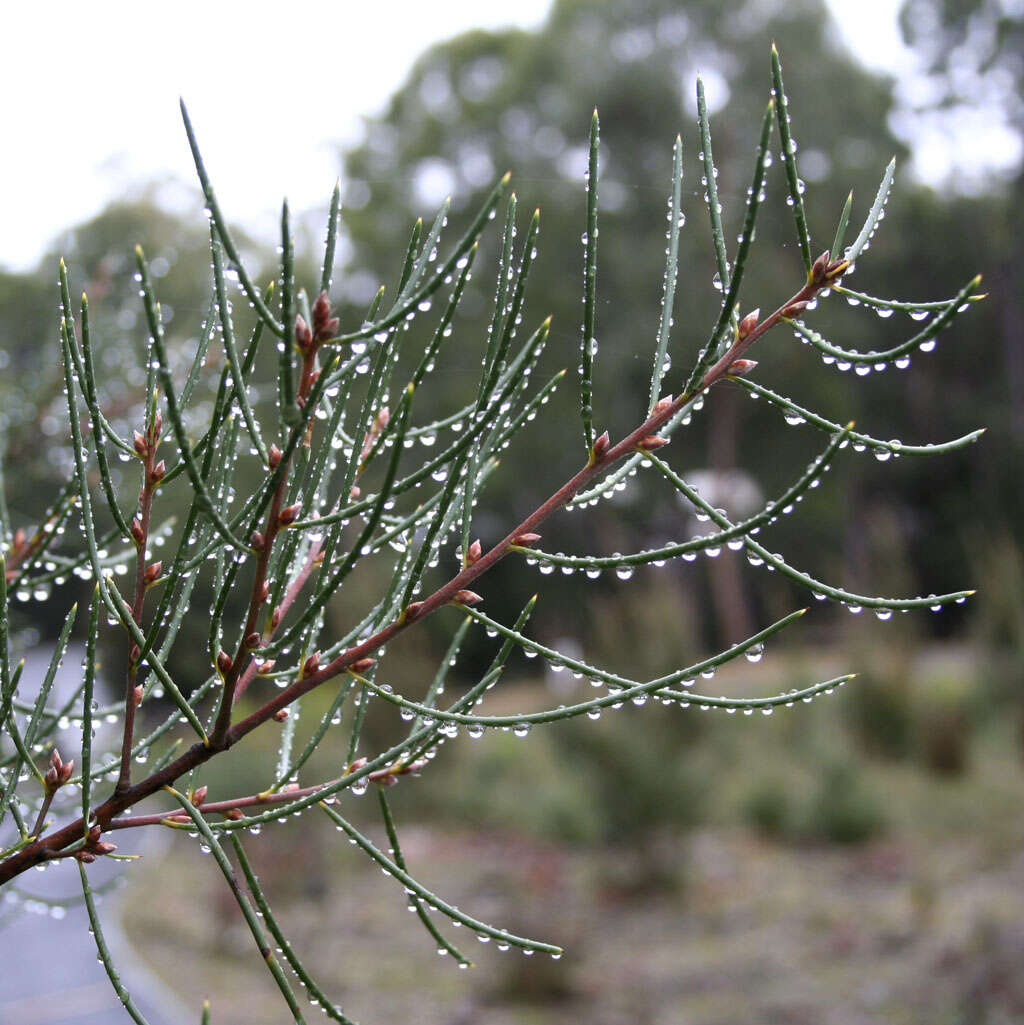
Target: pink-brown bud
x,y
280,715
133,653
526,539
153,571
412,610
795,309
139,442
158,425
739,367
199,795
303,335
266,667
819,267
325,326
85,857
748,323
157,473
257,540
363,664
474,553
354,493
312,664
652,442
65,771
275,618
137,532
253,640
104,847
289,514
355,766
264,590
662,404
55,759
274,455
137,695
466,597
234,814
224,662
601,446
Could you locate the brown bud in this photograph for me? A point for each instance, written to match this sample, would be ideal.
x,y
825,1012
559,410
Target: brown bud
x,y
795,309
652,442
157,473
137,531
289,514
274,457
55,759
18,541
134,652
325,326
748,323
264,590
275,618
525,539
253,640
65,771
355,766
289,787
354,493
85,857
137,695
153,571
363,664
662,404
836,270
224,662
234,814
412,610
257,540
739,367
280,715
139,441
474,553
158,425
266,667
819,267
51,779
601,446
312,664
303,336
199,795
103,847
466,597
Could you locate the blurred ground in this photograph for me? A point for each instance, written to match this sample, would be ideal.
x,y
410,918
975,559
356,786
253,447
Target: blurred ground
x,y
921,920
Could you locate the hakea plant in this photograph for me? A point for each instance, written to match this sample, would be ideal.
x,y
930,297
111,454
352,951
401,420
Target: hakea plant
x,y
297,538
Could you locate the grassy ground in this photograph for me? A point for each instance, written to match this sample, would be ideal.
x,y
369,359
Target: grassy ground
x,y
714,922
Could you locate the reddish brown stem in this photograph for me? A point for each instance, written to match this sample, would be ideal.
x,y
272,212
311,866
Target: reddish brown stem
x,y
200,753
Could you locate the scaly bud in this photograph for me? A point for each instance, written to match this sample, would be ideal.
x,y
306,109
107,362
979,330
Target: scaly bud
x,y
474,553
158,472
819,267
662,404
412,610
199,795
139,441
153,571
526,539
133,653
274,457
253,640
264,591
275,618
466,597
257,540
65,771
652,442
102,847
325,326
739,367
795,309
85,857
289,514
137,532
355,766
748,323
601,446
303,335
836,270
363,665
137,695
266,667
234,814
55,760
224,663
158,425
280,715
312,664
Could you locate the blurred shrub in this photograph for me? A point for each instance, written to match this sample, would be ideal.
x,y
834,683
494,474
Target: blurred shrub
x,y
945,723
845,809
767,808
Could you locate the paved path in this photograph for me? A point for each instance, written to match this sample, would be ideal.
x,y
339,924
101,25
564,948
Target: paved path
x,y
49,972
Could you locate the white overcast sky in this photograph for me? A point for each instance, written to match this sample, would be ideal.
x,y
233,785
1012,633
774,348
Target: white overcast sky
x,y
89,93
